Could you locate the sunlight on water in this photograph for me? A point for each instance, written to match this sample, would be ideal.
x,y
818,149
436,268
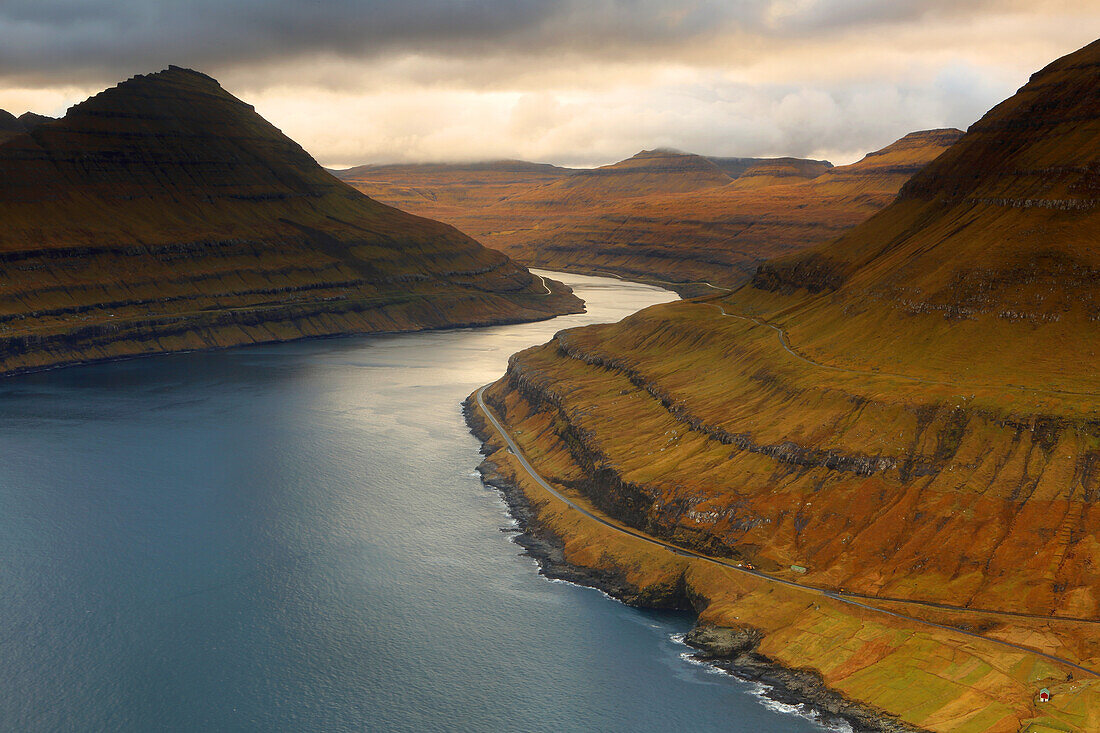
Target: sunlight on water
x,y
293,538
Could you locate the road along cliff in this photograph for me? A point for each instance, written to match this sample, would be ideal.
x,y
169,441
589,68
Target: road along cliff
x,y
904,418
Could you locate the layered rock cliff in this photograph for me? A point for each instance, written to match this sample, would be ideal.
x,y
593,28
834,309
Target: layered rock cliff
x,y
906,419
165,214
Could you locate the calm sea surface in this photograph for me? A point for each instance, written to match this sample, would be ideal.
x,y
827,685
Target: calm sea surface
x,y
293,538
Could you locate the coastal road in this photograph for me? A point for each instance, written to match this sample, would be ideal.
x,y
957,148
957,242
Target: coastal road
x,y
841,596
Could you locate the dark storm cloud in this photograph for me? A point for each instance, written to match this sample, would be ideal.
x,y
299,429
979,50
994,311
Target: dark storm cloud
x,y
81,40
86,37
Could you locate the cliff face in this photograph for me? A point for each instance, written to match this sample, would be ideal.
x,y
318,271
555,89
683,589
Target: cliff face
x,y
909,413
165,214
671,216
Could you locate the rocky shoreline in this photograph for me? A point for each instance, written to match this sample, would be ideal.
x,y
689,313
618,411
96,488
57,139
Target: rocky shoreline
x,y
733,650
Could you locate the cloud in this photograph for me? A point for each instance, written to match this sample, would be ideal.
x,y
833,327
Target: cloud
x,y
93,39
567,81
44,38
592,127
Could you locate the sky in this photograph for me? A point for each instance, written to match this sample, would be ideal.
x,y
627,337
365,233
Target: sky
x,y
572,82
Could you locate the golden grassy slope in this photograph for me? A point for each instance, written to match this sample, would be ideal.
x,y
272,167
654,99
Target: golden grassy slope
x,y
165,214
923,425
927,677
780,171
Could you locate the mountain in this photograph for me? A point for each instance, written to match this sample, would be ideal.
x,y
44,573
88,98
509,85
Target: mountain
x,y
10,125
165,214
887,169
31,120
449,192
906,418
994,238
646,173
661,214
778,171
718,233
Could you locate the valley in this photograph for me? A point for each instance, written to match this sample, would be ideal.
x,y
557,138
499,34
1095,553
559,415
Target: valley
x,y
671,218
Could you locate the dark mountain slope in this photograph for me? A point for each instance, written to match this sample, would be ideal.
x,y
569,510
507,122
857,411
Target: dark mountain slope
x,y
165,214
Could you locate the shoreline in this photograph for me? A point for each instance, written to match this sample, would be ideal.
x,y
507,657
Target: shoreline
x,y
487,322
733,651
686,289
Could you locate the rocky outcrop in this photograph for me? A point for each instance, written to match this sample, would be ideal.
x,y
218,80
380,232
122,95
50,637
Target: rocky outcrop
x,y
735,650
165,214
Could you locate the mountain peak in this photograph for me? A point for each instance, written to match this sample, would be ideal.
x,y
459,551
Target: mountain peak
x,y
180,127
9,122
172,215
996,235
172,89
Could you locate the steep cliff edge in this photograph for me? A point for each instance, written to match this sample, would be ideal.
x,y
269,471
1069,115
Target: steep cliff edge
x,y
165,214
906,419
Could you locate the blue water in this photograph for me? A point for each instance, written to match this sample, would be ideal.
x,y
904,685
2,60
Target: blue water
x,y
293,538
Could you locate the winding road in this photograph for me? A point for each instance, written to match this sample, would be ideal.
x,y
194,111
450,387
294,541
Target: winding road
x,y
841,596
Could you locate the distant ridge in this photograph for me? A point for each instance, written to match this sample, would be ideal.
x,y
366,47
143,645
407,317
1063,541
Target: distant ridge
x,y
10,125
645,173
502,166
661,214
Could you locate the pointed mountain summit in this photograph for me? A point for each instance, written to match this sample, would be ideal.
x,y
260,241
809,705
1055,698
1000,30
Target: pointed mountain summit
x,y
165,214
31,120
10,126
